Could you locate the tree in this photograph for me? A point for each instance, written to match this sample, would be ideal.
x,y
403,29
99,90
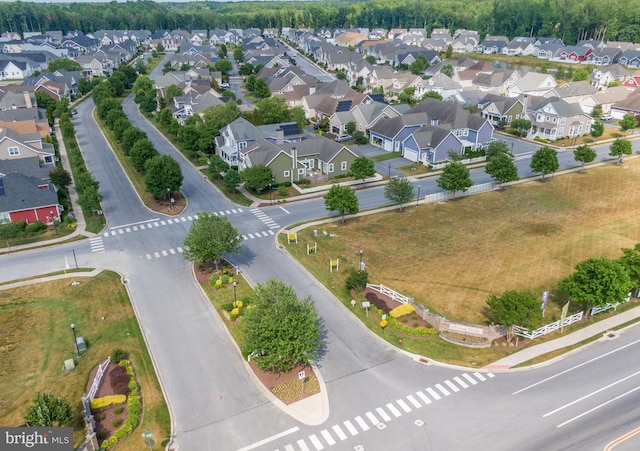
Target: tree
x,y
419,65
628,122
581,74
84,86
60,178
223,65
257,178
432,95
350,127
495,148
630,261
217,166
250,82
620,147
360,138
283,330
222,51
455,177
142,151
502,169
271,110
399,191
64,63
246,69
584,154
545,160
261,89
238,53
89,198
596,112
342,199
141,67
171,92
448,52
597,129
210,237
522,125
408,96
160,48
130,137
48,411
447,70
515,308
163,175
362,167
231,180
597,282
340,75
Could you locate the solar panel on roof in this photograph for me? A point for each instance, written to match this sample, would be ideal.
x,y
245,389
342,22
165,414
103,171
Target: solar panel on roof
x,y
343,105
1,188
377,98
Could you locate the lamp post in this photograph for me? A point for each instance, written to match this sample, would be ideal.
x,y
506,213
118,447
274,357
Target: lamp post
x,y
235,299
53,219
360,267
168,191
75,339
418,198
270,192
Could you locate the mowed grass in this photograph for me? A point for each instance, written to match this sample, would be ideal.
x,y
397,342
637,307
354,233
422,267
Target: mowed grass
x,y
36,338
451,256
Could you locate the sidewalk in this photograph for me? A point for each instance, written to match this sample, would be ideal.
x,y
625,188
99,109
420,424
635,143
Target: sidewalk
x,y
603,327
73,196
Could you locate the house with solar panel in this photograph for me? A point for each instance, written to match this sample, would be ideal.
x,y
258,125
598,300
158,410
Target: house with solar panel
x,y
241,134
317,159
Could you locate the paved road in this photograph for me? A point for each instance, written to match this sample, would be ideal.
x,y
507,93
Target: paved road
x,y
367,380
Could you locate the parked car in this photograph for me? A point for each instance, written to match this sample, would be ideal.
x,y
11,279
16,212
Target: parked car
x,y
74,112
343,138
316,125
224,85
606,117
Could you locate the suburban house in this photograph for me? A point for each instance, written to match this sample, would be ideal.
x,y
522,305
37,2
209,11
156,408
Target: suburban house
x,y
604,56
499,81
496,108
27,198
25,120
579,92
629,105
317,159
575,53
492,44
14,145
533,84
430,144
15,70
606,76
630,58
389,134
553,118
610,97
519,46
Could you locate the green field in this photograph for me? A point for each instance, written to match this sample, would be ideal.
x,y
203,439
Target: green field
x,y
36,338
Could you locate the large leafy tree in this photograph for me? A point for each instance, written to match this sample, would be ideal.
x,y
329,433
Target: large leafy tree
x,y
281,329
210,238
141,152
341,199
64,63
60,178
238,53
502,169
362,167
515,308
271,110
163,176
455,177
48,410
522,125
223,65
399,190
545,161
231,180
495,148
584,154
630,261
257,178
628,122
261,89
130,137
217,166
619,148
597,282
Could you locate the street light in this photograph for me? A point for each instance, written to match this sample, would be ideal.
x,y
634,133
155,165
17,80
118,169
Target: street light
x,y
75,339
270,192
53,219
361,252
235,299
418,198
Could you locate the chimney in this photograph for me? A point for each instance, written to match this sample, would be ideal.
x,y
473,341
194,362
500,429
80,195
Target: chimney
x,y
434,121
279,137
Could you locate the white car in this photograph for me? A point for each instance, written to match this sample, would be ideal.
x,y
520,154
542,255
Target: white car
x,y
224,85
343,138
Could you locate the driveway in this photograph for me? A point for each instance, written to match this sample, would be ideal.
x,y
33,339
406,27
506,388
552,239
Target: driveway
x,y
387,168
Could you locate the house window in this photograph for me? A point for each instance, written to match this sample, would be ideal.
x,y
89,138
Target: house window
x,y
546,118
330,167
539,117
308,164
4,218
560,131
562,120
14,151
465,132
286,174
301,171
509,118
343,165
242,145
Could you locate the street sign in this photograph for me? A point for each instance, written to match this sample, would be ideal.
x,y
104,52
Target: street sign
x,y
301,375
366,304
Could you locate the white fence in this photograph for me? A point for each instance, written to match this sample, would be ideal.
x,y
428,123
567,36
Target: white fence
x,y
447,195
524,332
436,166
98,378
389,292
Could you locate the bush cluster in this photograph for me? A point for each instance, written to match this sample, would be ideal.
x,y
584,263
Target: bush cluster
x,y
117,355
401,310
418,331
134,410
357,280
20,229
105,401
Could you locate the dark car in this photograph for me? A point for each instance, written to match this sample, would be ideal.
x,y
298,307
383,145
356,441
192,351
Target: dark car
x,y
74,112
316,125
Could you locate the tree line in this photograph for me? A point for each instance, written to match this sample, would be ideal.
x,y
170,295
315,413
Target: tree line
x,y
570,20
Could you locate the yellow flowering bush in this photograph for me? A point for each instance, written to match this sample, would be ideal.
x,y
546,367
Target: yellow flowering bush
x,y
99,403
238,304
404,309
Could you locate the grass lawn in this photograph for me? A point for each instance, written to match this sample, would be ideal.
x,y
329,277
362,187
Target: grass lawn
x,y
35,339
451,256
387,156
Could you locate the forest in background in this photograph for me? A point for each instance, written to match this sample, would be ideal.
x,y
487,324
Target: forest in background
x,y
571,20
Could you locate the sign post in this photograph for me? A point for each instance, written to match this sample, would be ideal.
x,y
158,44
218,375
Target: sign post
x,y
366,305
301,376
565,309
545,298
148,438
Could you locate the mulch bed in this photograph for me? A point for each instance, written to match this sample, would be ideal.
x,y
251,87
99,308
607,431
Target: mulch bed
x,y
104,418
164,205
386,304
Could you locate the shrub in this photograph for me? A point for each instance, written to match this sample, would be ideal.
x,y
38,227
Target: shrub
x,y
227,306
117,355
218,284
415,324
101,416
235,312
35,227
357,280
116,371
213,279
404,309
225,279
117,422
99,403
238,304
118,410
101,434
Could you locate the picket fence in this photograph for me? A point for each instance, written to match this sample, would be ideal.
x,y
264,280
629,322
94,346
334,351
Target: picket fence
x,y
98,378
524,332
389,292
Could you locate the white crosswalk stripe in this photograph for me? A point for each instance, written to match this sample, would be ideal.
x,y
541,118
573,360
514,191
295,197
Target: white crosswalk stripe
x,y
127,229
363,425
460,382
156,255
327,436
480,376
423,397
164,253
97,244
396,413
149,257
172,251
414,401
490,374
120,231
350,427
179,249
289,448
383,414
372,418
470,379
163,223
302,445
341,435
251,236
452,386
403,405
316,442
433,393
442,390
